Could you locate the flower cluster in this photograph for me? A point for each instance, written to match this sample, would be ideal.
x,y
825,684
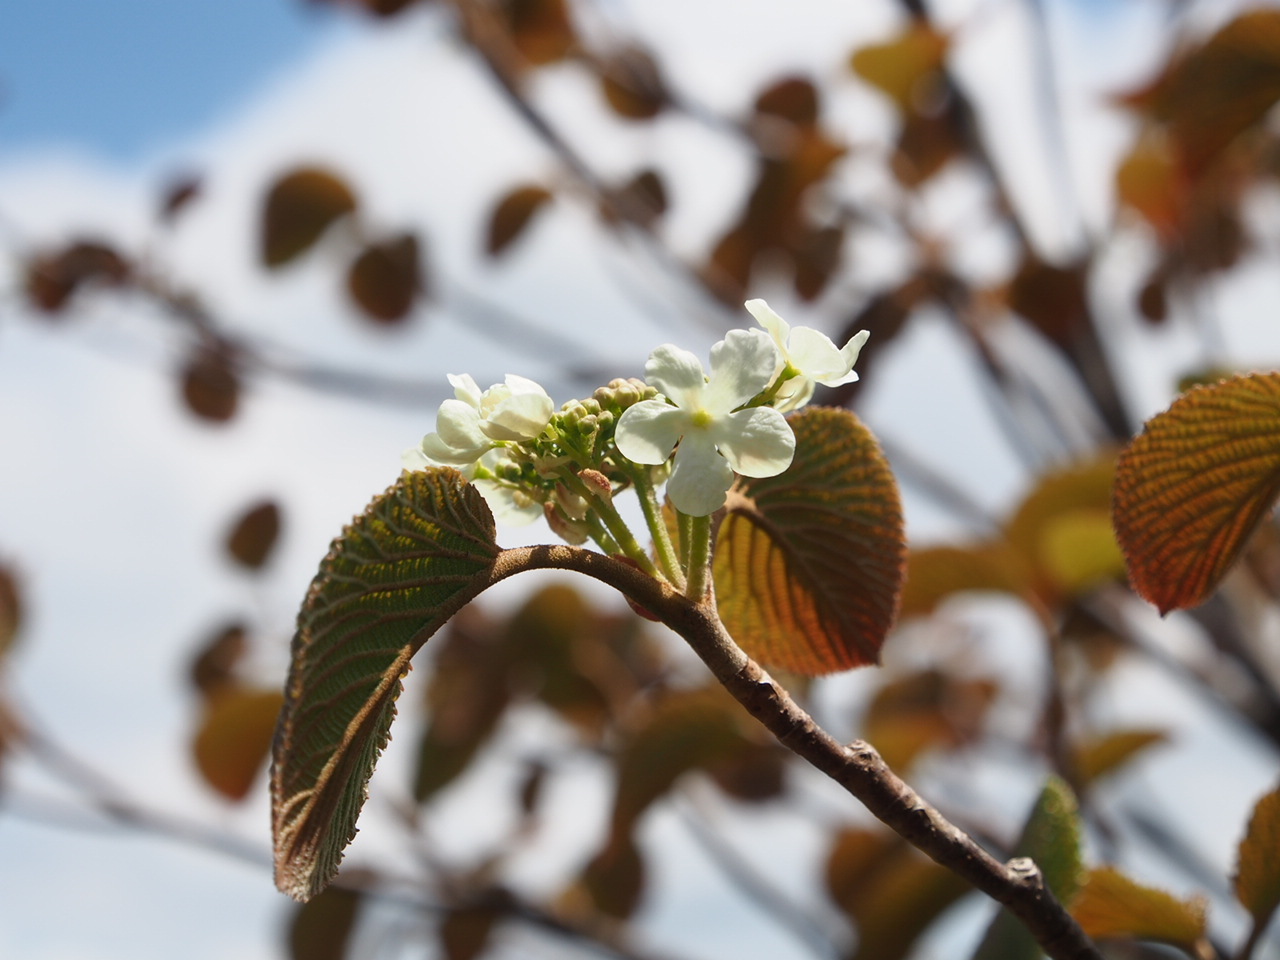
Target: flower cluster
x,y
529,460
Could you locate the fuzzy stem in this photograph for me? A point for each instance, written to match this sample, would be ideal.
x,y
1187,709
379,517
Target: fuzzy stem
x,y
666,551
613,523
699,569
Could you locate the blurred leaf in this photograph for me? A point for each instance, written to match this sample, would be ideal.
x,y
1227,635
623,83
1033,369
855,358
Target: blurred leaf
x,y
808,565
817,257
1103,755
540,29
386,278
794,99
321,928
178,195
614,879
643,199
935,573
234,737
1079,551
211,384
632,84
213,668
906,68
1153,298
419,552
1052,838
924,710
890,891
465,931
1257,877
1218,89
1054,299
54,276
1150,181
512,215
1065,560
926,144
1111,906
254,534
299,208
1193,486
10,609
751,772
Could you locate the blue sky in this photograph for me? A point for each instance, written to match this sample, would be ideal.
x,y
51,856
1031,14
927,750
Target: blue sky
x,y
119,77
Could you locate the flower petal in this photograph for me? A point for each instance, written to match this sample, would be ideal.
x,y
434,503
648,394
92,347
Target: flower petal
x,y
415,459
677,374
649,430
742,364
509,505
774,325
458,426
794,394
815,356
466,389
756,443
522,414
854,347
701,477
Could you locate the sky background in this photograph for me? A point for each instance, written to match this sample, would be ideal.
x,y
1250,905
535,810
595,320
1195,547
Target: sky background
x,y
115,500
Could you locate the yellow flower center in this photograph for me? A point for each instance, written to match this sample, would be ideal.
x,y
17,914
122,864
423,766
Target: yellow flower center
x,y
701,419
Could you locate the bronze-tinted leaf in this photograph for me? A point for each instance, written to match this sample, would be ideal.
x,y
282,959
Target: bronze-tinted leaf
x,y
10,609
178,194
809,564
935,573
642,199
632,84
419,552
53,277
213,668
817,256
926,144
923,710
321,929
1052,837
1100,756
211,383
299,208
905,68
794,99
1257,878
1110,905
386,278
254,534
234,737
540,29
1150,180
891,891
614,878
1053,298
465,931
1193,486
512,215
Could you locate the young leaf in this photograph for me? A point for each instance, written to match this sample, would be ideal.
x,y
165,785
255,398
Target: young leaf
x,y
809,564
1257,879
418,553
1051,838
514,212
1098,757
254,535
1110,906
234,737
1194,484
386,279
299,208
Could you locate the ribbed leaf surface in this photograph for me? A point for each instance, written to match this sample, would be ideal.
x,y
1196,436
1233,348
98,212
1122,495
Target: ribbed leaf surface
x,y
418,553
809,564
1193,485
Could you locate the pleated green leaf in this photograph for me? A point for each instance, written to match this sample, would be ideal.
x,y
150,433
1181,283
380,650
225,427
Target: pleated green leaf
x,y
1194,484
419,552
809,564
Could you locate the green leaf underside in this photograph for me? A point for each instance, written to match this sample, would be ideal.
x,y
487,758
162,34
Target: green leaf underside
x,y
1257,879
1051,837
1193,486
418,553
809,564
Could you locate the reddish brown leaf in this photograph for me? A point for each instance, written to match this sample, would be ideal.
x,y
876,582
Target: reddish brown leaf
x,y
794,99
926,144
10,609
925,710
817,257
254,534
1110,905
808,565
386,278
540,29
54,276
512,215
210,384
632,84
1193,486
321,928
465,931
299,208
615,877
935,573
178,195
642,199
1054,299
234,737
213,667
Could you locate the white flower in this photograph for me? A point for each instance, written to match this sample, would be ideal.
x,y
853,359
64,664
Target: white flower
x,y
715,438
466,427
509,503
809,351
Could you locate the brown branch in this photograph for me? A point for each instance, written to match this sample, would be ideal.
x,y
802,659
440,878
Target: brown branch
x,y
1018,884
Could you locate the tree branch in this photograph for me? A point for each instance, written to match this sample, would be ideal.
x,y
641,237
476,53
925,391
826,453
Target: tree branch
x,y
1018,884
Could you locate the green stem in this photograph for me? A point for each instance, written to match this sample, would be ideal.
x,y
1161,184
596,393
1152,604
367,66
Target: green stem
x,y
699,569
601,536
613,523
657,527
